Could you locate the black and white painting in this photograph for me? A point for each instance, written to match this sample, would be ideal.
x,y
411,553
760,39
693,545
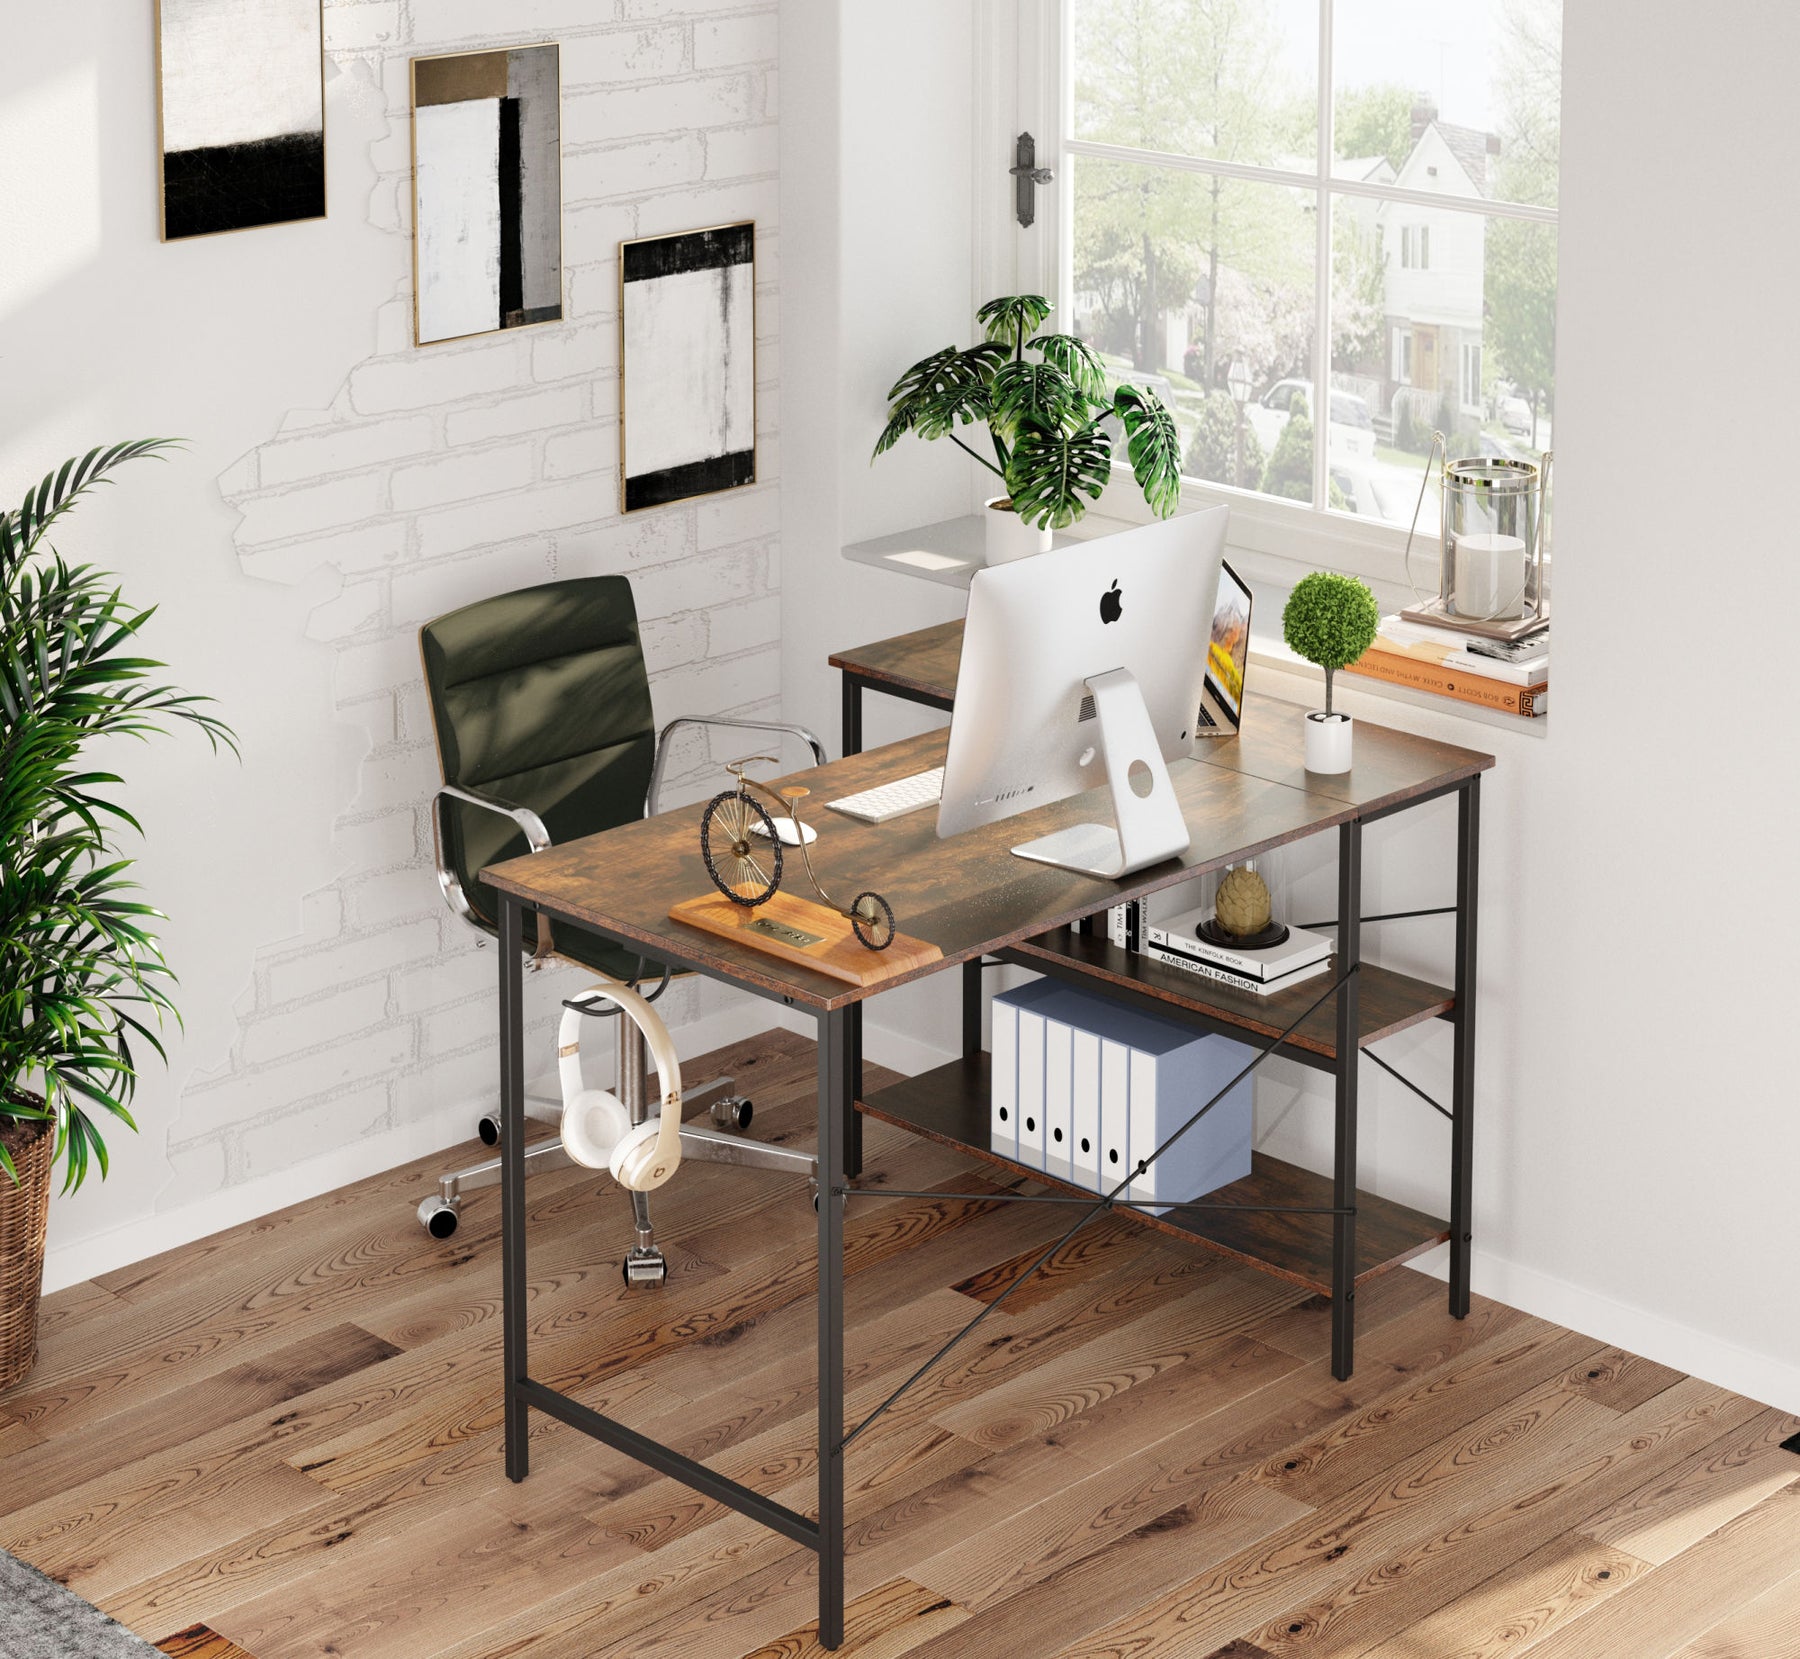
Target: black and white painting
x,y
687,392
242,92
487,192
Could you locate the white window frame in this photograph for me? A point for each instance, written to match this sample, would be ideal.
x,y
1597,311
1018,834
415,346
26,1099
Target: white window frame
x,y
1471,374
1020,48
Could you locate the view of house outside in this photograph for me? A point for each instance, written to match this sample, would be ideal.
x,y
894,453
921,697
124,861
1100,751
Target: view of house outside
x,y
1442,315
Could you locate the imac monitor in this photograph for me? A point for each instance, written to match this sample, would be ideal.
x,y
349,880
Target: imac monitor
x,y
1227,656
1080,667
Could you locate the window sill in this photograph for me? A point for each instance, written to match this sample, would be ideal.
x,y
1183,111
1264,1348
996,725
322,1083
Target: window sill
x,y
1281,673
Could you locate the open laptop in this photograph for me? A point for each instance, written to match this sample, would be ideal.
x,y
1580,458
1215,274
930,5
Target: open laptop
x,y
1227,658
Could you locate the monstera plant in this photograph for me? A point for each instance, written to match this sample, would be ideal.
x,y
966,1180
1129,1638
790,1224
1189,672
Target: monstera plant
x,y
1045,403
83,983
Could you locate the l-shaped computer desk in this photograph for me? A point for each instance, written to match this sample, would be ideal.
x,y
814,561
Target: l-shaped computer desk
x,y
977,903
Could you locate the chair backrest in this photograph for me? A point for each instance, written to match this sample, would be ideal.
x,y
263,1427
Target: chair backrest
x,y
540,697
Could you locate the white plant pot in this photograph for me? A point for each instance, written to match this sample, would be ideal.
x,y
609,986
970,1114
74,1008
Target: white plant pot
x,y
1009,536
1328,742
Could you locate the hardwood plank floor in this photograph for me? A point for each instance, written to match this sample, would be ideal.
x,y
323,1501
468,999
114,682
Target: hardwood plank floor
x,y
285,1441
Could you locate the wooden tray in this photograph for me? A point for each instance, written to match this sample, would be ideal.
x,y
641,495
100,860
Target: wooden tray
x,y
838,951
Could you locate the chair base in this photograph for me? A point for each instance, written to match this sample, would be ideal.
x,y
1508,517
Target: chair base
x,y
644,1264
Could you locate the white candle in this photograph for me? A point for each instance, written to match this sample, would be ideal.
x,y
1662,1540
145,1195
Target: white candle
x,y
1490,576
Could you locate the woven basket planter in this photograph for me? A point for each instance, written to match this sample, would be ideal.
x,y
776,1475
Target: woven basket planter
x,y
24,1214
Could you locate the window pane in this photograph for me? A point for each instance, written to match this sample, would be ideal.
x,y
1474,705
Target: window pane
x,y
1464,345
1177,276
1462,100
1231,79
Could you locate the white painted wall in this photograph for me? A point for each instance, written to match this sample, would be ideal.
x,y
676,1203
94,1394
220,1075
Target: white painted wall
x,y
882,204
340,487
1632,1158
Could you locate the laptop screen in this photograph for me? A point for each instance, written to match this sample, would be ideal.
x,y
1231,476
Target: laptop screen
x,y
1228,651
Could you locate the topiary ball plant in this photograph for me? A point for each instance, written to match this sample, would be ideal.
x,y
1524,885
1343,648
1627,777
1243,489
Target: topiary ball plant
x,y
1330,620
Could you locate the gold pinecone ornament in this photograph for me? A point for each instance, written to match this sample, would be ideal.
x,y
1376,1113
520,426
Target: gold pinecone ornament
x,y
1242,906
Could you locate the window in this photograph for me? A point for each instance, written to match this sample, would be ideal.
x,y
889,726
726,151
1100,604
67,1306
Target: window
x,y
1375,218
1415,246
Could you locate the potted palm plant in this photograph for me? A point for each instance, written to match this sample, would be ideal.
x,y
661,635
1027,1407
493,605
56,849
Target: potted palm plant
x,y
1330,620
1044,401
82,977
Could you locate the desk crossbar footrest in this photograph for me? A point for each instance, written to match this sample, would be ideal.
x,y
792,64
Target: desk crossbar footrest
x,y
790,1523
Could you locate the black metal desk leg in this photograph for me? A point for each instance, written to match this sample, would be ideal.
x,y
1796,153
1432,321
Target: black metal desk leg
x,y
971,1007
512,1185
1462,1099
1349,1059
852,715
852,1119
834,1102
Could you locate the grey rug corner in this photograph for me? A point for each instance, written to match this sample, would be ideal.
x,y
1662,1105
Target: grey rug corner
x,y
39,1619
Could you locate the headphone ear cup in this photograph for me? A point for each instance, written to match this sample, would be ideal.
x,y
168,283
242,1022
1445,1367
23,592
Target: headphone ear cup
x,y
594,1125
635,1163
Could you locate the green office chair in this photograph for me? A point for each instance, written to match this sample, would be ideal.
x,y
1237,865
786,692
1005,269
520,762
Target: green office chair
x,y
540,702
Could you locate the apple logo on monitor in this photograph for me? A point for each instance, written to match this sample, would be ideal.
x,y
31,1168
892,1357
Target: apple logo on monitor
x,y
1112,602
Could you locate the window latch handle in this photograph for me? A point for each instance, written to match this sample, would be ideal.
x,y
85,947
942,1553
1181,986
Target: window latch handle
x,y
1027,176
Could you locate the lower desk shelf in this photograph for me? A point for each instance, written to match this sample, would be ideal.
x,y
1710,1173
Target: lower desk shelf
x,y
949,1104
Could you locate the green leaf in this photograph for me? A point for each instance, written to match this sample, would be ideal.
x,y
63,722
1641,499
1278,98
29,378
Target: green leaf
x,y
1077,360
1032,394
1051,471
940,392
1152,445
1013,319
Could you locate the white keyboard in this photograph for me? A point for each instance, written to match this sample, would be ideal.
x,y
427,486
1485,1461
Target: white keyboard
x,y
892,800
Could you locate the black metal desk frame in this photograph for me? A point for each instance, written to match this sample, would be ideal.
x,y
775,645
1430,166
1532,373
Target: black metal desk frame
x,y
839,1156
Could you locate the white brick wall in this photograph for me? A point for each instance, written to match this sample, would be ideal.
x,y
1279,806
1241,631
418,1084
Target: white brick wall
x,y
443,474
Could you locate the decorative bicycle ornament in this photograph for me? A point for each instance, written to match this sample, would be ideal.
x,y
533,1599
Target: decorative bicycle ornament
x,y
744,855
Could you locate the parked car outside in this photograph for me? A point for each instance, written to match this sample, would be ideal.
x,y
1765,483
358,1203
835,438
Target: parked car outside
x,y
1515,416
1351,430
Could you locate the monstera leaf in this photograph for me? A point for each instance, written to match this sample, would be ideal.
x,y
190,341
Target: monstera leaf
x,y
1077,360
1153,445
1050,471
1013,319
1032,394
940,392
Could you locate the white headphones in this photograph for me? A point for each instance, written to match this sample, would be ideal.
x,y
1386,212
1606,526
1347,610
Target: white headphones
x,y
596,1128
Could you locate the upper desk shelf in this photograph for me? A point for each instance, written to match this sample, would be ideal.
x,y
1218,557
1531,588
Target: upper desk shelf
x,y
949,552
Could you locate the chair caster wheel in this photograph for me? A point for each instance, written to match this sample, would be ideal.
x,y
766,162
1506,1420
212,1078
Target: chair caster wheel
x,y
733,1112
488,1129
438,1216
644,1267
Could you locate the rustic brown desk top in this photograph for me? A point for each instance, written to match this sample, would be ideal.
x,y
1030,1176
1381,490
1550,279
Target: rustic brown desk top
x,y
969,895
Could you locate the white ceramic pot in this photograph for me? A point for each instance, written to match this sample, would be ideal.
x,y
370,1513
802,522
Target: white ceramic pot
x,y
1009,536
1328,742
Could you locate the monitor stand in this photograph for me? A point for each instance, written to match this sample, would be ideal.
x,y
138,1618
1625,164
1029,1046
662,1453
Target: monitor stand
x,y
1150,825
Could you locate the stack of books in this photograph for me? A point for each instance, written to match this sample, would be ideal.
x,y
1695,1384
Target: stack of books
x,y
1179,943
1510,675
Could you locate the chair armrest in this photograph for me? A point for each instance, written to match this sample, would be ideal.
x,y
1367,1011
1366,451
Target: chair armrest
x,y
668,731
537,838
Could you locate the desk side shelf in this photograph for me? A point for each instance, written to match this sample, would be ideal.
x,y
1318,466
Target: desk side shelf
x,y
949,1104
1386,1001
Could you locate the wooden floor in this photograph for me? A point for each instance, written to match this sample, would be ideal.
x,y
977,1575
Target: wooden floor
x,y
285,1441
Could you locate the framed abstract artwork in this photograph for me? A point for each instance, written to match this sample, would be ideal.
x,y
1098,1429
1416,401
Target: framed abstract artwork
x,y
687,364
241,99
487,192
